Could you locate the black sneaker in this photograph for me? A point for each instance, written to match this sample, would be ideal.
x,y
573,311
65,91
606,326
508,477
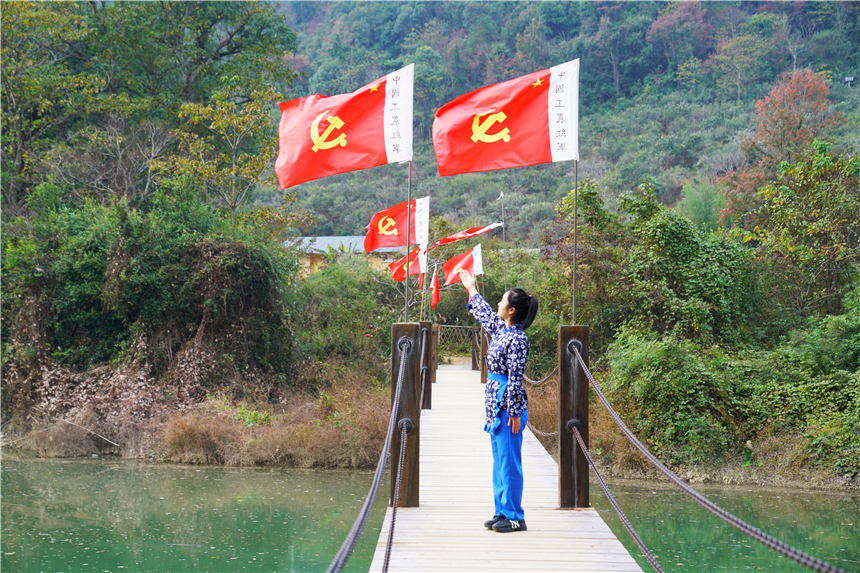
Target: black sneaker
x,y
509,525
491,522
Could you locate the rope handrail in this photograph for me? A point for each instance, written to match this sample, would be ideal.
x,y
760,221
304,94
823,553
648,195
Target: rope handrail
x,y
614,503
542,380
405,426
348,545
788,551
539,433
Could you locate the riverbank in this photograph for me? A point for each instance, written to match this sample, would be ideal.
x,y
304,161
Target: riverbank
x,y
120,411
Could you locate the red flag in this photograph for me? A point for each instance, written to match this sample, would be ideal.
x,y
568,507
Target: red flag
x,y
529,120
398,267
467,234
388,227
434,288
321,136
471,261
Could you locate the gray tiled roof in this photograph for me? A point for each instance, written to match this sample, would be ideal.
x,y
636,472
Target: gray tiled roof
x,y
351,243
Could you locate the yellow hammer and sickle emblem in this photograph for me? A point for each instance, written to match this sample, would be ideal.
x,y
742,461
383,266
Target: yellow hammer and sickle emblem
x,y
479,130
321,141
385,226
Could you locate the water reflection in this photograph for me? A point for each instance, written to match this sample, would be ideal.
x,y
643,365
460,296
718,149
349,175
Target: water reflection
x,y
685,537
94,515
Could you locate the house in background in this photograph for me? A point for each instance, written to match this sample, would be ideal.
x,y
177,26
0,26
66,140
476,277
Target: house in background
x,y
320,249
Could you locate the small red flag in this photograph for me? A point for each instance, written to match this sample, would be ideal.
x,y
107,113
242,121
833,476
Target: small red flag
x,y
321,135
528,120
467,234
416,264
434,288
388,227
471,261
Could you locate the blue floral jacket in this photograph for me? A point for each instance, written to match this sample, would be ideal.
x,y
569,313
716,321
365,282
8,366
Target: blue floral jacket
x,y
507,356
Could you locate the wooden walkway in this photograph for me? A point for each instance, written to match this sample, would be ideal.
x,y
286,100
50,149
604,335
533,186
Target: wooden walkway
x,y
446,532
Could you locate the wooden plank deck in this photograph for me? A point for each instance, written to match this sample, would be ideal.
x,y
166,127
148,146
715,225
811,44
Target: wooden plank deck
x,y
446,532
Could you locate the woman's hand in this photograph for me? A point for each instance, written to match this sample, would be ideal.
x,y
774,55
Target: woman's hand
x,y
514,423
468,281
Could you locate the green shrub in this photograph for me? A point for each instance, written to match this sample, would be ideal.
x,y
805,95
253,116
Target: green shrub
x,y
677,392
116,283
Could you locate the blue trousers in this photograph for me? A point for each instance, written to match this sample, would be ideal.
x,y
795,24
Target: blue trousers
x,y
508,467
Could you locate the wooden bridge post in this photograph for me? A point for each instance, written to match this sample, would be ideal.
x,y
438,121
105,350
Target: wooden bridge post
x,y
437,333
429,374
573,409
475,337
410,409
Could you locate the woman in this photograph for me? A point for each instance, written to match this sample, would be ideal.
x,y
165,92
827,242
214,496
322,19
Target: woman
x,y
506,400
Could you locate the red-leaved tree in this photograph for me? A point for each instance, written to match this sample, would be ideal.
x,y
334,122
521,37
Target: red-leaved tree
x,y
793,115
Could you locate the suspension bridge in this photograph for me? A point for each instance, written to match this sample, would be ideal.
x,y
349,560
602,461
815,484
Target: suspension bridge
x,y
441,467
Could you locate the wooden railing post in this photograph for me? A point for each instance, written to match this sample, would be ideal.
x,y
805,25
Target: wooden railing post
x,y
475,337
437,332
410,409
572,410
429,374
485,342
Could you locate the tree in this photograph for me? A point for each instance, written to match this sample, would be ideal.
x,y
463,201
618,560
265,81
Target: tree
x,y
226,145
812,230
40,93
94,87
114,160
738,63
794,113
681,32
176,52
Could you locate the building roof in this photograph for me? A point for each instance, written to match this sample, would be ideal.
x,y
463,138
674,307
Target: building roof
x,y
349,243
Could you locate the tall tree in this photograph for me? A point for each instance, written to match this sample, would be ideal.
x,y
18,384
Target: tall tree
x,y
811,237
226,146
794,113
40,93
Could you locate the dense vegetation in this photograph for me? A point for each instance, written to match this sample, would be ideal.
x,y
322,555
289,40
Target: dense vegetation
x,y
718,217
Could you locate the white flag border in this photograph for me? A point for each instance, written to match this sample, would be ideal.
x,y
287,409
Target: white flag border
x,y
399,95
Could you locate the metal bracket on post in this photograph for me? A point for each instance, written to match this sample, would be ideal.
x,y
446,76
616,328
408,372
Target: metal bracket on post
x,y
409,409
427,373
573,412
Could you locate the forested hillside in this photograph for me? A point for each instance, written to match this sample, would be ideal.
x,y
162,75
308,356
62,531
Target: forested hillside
x,y
667,91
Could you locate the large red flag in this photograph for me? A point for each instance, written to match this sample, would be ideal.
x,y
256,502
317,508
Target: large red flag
x,y
388,227
467,234
417,264
525,121
321,136
434,288
471,261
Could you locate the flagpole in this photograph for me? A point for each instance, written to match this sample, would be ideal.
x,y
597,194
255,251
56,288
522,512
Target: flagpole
x,y
575,194
408,236
504,242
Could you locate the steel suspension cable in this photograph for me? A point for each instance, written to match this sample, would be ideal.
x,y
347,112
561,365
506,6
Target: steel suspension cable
x,y
352,538
611,499
804,559
403,429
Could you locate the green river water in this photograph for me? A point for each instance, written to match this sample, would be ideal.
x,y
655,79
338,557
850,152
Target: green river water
x,y
102,515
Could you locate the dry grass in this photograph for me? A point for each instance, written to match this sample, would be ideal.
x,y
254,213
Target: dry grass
x,y
343,426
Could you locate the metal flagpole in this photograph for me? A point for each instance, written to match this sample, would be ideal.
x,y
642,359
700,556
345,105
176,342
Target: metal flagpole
x,y
408,236
504,241
575,245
